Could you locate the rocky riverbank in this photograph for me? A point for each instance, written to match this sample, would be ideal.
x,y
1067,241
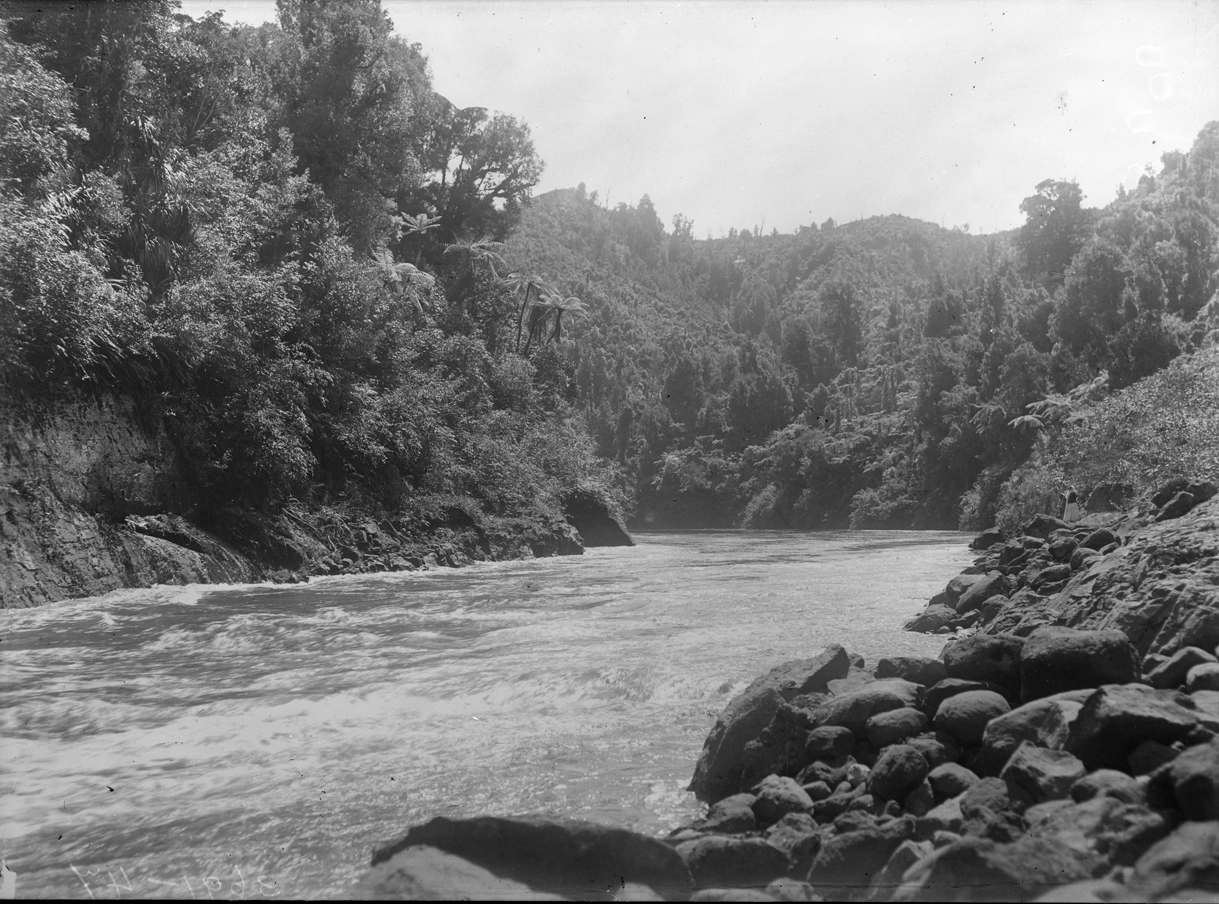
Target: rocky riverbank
x,y
93,498
1065,750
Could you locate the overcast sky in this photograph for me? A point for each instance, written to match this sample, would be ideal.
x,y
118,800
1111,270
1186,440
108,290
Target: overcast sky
x,y
781,114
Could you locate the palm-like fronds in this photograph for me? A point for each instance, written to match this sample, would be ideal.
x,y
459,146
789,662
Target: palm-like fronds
x,y
571,306
483,251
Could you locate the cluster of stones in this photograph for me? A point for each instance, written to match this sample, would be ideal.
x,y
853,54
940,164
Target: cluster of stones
x,y
1055,767
1049,767
1054,572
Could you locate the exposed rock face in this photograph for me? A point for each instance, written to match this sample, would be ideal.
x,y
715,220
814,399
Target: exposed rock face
x,y
94,497
598,526
1152,574
83,503
1160,589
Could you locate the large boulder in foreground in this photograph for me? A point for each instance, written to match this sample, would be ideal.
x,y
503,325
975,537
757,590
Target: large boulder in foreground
x,y
566,857
978,869
426,873
724,767
1054,660
598,526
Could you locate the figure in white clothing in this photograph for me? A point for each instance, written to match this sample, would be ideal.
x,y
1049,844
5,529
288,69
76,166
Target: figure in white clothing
x,y
1070,508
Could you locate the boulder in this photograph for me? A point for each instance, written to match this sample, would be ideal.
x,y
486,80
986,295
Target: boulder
x,y
944,817
562,856
1054,660
937,749
1108,783
1041,526
1082,557
853,709
987,539
1062,548
776,797
965,716
1194,779
426,873
1042,774
1104,826
850,861
991,658
1203,677
1177,506
1172,672
920,801
796,835
1045,722
907,854
1050,576
731,815
828,742
978,869
598,526
722,861
931,619
899,770
806,676
957,586
895,726
1099,539
950,780
722,767
918,669
1150,756
1116,718
987,795
942,690
1187,858
779,749
979,592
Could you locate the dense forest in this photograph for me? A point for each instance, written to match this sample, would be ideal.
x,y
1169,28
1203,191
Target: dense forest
x,y
329,283
881,373
286,246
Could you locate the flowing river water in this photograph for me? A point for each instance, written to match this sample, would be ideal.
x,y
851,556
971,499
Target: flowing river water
x,y
224,742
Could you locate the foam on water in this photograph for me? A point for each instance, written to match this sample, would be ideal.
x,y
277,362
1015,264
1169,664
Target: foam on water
x,y
162,737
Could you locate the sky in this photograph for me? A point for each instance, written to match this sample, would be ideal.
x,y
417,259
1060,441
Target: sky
x,y
774,114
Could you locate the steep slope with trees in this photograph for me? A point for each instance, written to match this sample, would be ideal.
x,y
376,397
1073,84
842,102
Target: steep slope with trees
x,y
269,244
879,373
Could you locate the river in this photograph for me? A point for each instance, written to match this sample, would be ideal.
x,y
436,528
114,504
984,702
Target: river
x,y
262,740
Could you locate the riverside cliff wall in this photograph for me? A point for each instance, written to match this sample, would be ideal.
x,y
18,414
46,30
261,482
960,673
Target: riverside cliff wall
x,y
94,497
75,486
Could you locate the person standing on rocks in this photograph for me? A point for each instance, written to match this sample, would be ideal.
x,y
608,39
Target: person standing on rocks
x,y
1070,509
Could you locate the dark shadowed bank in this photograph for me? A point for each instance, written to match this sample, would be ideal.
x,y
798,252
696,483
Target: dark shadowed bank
x,y
1062,747
94,497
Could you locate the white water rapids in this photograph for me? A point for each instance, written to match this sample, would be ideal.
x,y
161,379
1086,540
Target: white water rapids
x,y
262,740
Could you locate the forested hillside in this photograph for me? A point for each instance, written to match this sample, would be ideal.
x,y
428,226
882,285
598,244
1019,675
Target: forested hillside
x,y
886,372
329,286
281,242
